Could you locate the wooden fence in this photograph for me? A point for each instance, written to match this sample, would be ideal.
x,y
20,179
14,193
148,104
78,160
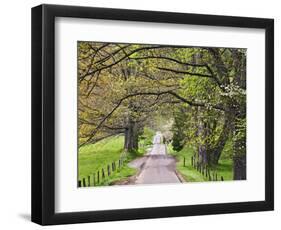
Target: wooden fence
x,y
99,176
210,174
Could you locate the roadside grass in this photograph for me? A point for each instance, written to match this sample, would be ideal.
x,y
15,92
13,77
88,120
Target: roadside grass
x,y
190,174
95,157
119,175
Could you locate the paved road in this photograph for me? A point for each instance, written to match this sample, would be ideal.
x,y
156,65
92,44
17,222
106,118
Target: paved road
x,y
156,167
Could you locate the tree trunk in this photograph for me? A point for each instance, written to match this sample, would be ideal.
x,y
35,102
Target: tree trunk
x,y
215,152
239,143
202,148
202,153
239,167
131,136
239,158
239,147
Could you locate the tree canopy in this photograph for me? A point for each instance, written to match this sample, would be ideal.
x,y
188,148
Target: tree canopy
x,y
202,90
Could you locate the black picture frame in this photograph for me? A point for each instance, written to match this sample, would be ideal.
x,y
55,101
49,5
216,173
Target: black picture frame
x,y
43,114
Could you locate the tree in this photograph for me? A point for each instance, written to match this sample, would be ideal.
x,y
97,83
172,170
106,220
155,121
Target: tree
x,y
122,85
179,129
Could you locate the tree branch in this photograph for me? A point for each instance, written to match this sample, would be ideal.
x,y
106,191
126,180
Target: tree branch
x,y
211,76
185,72
170,59
191,103
121,59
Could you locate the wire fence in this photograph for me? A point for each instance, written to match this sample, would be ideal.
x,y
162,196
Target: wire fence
x,y
99,176
209,173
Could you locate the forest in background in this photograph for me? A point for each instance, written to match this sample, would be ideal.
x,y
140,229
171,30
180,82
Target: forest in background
x,y
196,96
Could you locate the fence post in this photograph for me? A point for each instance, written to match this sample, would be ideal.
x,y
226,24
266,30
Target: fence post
x,y
79,183
94,179
102,173
98,177
192,163
221,178
183,161
119,163
89,181
112,166
108,170
84,182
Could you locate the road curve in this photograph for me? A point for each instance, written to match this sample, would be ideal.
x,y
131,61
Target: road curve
x,y
156,166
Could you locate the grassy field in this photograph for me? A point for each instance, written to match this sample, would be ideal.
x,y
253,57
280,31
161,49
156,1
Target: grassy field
x,y
94,157
190,174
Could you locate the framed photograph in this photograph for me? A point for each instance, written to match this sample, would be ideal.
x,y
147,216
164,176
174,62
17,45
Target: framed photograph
x,y
142,114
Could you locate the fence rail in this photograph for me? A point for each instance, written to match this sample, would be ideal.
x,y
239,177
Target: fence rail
x,y
100,175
